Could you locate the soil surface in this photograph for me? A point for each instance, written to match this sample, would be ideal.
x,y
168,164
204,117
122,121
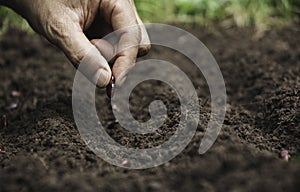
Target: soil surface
x,y
41,149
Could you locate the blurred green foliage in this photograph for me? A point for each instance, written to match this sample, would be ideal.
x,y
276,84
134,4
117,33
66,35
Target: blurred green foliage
x,y
9,18
259,13
204,12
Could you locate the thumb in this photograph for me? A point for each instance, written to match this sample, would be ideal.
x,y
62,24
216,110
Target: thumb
x,y
86,57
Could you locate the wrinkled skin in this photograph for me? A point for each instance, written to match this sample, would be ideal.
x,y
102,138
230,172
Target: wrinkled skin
x,y
77,26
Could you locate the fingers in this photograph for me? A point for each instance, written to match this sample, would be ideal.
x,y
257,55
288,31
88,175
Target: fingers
x,y
127,52
105,48
121,16
85,56
145,44
133,42
95,67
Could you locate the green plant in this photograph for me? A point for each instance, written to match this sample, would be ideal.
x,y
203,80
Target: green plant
x,y
9,18
241,12
155,11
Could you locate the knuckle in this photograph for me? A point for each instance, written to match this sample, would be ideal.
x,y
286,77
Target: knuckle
x,y
146,47
144,50
55,28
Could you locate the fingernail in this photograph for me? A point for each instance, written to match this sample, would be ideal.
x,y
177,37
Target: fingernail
x,y
110,87
103,78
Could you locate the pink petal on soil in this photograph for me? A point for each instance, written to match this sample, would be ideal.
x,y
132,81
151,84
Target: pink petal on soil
x,y
284,155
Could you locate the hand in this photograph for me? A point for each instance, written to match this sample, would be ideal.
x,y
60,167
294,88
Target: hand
x,y
77,26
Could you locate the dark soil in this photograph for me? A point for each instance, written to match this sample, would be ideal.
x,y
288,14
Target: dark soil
x,y
41,149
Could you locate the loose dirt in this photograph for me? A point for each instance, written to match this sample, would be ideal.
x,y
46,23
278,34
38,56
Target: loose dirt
x,y
41,149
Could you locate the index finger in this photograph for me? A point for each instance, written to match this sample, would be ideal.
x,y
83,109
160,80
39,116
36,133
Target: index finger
x,y
124,22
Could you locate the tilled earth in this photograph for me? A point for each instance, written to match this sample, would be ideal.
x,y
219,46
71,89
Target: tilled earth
x,y
41,149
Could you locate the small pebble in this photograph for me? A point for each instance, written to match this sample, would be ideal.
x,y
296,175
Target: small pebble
x,y
125,162
12,106
115,107
2,151
15,93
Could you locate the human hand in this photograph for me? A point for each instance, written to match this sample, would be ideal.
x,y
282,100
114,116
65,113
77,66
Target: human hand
x,y
77,26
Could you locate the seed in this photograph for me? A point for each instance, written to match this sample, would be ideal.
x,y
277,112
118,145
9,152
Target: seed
x,y
110,87
4,121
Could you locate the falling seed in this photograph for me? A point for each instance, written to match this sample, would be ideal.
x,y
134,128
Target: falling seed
x,y
285,155
15,94
4,121
110,87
